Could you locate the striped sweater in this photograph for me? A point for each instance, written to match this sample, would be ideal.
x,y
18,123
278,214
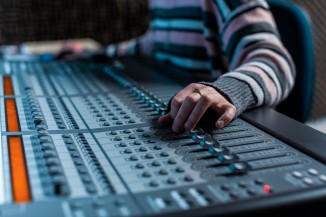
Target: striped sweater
x,y
236,41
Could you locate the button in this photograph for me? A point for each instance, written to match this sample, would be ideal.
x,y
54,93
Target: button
x,y
188,178
82,169
36,109
52,162
153,184
267,189
102,119
38,119
142,149
171,161
252,192
61,126
42,133
119,123
156,147
123,144
69,141
297,174
126,131
162,203
66,136
91,189
117,138
131,121
115,118
259,181
41,127
86,178
47,146
163,172
71,147
78,161
55,170
155,164
171,181
133,158
226,187
74,154
323,178
146,174
242,184
179,170
131,137
146,135
137,143
164,154
140,130
128,151
49,153
313,172
45,138
234,195
58,179
149,156
308,181
140,166
106,124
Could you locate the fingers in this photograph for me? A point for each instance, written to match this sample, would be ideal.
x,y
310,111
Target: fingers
x,y
70,50
166,120
203,104
184,111
178,100
189,106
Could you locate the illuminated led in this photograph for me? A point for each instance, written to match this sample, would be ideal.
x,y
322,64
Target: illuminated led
x,y
267,188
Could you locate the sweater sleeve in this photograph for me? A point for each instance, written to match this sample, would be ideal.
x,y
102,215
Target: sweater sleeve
x,y
137,46
260,70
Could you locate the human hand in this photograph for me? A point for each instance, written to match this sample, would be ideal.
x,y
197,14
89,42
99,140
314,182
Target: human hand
x,y
70,50
73,49
191,103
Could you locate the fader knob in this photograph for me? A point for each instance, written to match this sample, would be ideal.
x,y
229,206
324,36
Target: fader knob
x,y
47,146
38,119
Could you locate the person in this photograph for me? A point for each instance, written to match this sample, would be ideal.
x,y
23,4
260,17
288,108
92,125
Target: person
x,y
234,41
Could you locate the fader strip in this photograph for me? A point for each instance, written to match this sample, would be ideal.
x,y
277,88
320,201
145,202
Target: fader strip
x,y
83,137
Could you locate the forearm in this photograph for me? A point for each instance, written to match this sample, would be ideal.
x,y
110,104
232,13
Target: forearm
x,y
261,72
137,46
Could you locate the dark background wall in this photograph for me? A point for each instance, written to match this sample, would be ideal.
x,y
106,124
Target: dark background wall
x,y
103,20
109,21
316,10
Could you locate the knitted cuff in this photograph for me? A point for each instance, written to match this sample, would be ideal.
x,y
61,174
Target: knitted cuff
x,y
235,91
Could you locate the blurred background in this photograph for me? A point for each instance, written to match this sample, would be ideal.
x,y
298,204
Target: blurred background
x,y
109,21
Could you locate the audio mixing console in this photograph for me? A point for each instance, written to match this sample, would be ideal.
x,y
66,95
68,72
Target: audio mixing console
x,y
82,139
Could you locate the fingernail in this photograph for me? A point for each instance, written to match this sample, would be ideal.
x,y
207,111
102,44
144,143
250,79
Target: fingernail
x,y
221,123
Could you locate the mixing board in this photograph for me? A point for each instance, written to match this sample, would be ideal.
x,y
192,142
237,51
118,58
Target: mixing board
x,y
82,139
